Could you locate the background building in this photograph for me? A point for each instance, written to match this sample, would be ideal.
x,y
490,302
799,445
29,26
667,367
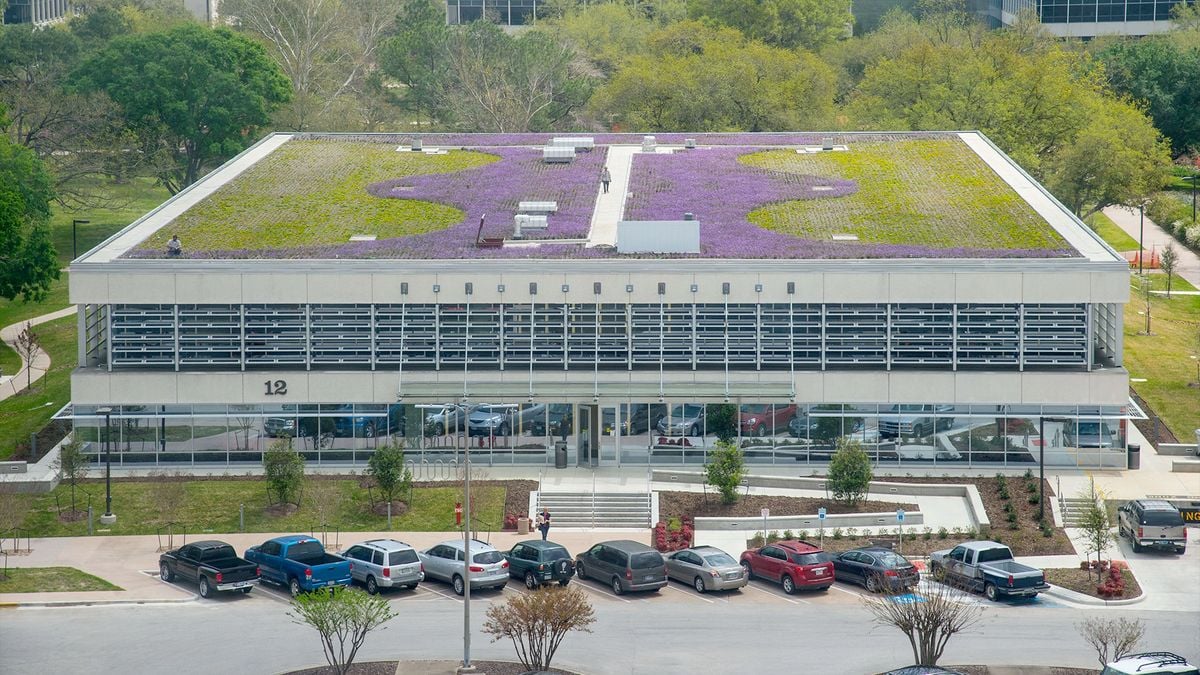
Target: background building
x,y
503,12
1085,18
917,292
37,12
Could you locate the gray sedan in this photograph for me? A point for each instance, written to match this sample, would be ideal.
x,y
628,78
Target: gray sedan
x,y
706,568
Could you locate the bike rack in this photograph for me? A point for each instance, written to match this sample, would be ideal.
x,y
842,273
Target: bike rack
x,y
169,528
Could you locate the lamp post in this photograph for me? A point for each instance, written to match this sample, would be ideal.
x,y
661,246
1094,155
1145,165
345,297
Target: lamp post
x,y
74,247
466,666
1193,179
1141,234
108,518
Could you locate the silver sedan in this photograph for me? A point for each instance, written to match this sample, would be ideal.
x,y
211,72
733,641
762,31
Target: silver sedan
x,y
706,568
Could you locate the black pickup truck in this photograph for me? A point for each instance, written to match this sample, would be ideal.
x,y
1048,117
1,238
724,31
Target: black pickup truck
x,y
213,565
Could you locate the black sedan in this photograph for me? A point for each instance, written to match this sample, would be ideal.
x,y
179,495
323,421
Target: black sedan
x,y
876,568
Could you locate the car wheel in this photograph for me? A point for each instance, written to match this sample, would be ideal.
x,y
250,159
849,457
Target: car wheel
x,y
580,571
411,587
989,592
1181,551
530,581
698,583
246,590
872,584
563,582
1137,548
372,586
165,573
616,586
439,430
789,586
938,573
695,430
746,568
459,588
369,431
205,589
294,586
761,430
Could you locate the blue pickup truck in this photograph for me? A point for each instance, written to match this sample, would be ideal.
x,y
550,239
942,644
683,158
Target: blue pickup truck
x,y
300,563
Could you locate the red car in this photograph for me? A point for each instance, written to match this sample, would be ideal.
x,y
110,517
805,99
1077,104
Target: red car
x,y
793,564
760,419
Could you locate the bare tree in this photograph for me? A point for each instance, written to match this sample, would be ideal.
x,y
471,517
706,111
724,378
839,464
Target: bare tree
x,y
1113,639
1095,524
929,625
537,622
14,506
1168,262
325,497
73,465
27,347
168,490
343,617
1145,288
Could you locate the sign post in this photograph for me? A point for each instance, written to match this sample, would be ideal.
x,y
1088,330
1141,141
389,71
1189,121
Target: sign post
x,y
821,519
765,514
900,519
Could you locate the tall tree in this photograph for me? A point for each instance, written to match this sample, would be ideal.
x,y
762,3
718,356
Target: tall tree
x,y
1165,74
808,24
28,262
413,57
208,92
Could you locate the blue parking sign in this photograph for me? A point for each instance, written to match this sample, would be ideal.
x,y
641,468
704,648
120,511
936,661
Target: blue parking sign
x,y
821,513
900,515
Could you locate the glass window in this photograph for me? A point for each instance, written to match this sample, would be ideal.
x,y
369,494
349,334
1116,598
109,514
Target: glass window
x,y
488,557
647,560
377,558
402,557
552,554
719,559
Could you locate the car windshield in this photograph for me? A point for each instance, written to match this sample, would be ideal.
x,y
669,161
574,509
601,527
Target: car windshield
x,y
559,408
642,561
685,412
891,560
1162,518
487,557
552,554
402,557
492,409
811,558
1089,428
719,559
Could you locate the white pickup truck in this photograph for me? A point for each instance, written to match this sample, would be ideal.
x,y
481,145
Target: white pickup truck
x,y
987,566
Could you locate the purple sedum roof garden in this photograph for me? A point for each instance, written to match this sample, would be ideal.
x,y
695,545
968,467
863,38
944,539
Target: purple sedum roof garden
x,y
923,195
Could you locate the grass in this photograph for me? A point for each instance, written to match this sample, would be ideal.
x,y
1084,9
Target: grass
x,y
935,193
123,203
52,580
1158,282
29,411
310,193
212,506
1111,233
1163,358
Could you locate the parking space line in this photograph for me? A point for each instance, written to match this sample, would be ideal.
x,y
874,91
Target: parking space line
x,y
847,591
607,594
693,594
444,595
794,601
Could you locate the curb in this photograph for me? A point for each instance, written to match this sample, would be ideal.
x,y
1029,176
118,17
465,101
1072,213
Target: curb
x,y
1083,599
94,603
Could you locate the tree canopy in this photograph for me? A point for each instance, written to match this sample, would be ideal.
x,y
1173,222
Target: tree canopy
x,y
808,24
206,91
28,262
1165,74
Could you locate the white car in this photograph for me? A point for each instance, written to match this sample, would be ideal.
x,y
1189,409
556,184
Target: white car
x,y
1151,663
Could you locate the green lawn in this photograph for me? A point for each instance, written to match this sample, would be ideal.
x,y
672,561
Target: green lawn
x,y
52,580
1111,232
28,412
1164,359
212,506
1158,282
123,203
935,193
314,192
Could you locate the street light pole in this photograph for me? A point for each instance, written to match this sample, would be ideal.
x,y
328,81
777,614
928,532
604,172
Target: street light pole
x,y
108,518
1193,179
1042,469
466,667
74,247
1141,235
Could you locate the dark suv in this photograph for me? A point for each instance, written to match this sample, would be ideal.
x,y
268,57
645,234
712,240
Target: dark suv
x,y
1152,523
792,563
625,565
540,562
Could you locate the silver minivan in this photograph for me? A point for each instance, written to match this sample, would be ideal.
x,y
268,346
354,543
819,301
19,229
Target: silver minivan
x,y
444,562
384,563
1152,523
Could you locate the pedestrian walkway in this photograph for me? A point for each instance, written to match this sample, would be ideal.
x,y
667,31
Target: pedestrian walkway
x,y
1156,238
610,206
9,386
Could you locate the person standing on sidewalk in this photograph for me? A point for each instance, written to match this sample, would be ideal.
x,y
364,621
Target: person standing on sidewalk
x,y
543,523
605,179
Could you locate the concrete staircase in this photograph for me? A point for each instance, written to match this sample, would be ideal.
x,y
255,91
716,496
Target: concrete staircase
x,y
1073,509
611,509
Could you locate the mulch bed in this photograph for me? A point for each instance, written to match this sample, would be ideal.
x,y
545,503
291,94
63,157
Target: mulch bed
x,y
1084,581
371,668
696,504
392,667
1052,670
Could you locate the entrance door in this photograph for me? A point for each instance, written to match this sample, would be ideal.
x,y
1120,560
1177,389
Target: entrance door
x,y
588,439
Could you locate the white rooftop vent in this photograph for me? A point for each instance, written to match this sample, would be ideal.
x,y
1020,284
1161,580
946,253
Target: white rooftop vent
x,y
845,237
658,236
553,154
537,207
575,142
417,144
362,237
524,223
689,143
648,143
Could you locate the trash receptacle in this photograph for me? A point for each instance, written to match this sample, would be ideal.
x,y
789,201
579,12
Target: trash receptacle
x,y
1135,456
560,454
522,525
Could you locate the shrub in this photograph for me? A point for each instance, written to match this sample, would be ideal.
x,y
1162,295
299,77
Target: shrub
x,y
1011,517
802,534
1113,585
343,617
1010,509
386,466
850,472
927,533
971,533
852,532
668,538
1028,474
1004,494
773,537
510,521
283,469
787,534
943,533
756,541
1031,487
837,534
537,622
726,464
1034,498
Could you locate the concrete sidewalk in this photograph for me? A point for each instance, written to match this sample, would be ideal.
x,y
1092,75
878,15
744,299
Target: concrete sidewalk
x,y
1156,238
28,374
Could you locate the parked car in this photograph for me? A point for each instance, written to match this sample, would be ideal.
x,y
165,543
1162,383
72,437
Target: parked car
x,y
803,426
760,419
1150,663
561,418
300,563
445,562
370,426
923,670
1152,523
640,419
445,419
504,419
1093,434
385,563
989,567
540,562
792,564
875,568
275,427
213,565
686,419
706,568
624,565
915,420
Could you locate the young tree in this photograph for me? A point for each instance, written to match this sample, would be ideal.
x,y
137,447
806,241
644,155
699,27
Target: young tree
x,y
343,617
721,419
207,92
14,507
325,498
73,465
169,492
27,347
726,466
537,622
1145,289
1113,639
386,466
928,625
283,468
1167,262
789,24
850,472
1095,524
